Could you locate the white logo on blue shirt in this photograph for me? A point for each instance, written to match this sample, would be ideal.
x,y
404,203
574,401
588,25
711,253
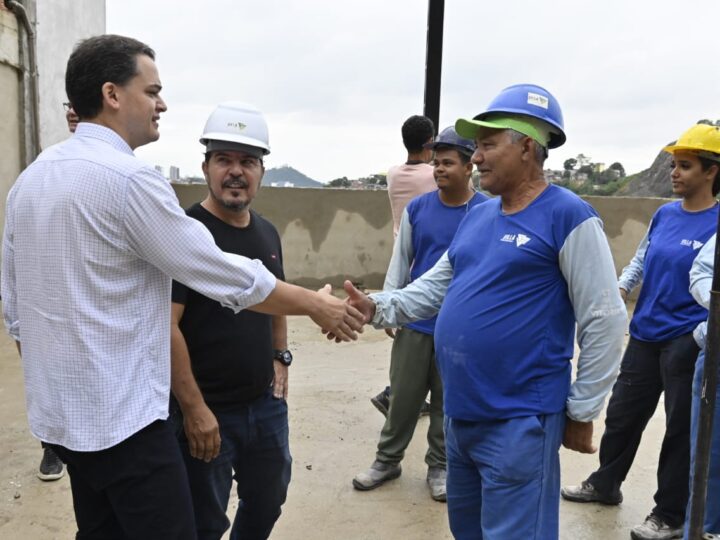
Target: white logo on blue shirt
x,y
691,243
518,239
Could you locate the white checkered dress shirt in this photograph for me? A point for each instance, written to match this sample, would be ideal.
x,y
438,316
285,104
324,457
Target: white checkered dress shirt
x,y
92,239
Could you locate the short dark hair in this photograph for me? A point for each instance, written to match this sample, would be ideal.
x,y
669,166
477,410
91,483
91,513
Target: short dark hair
x,y
416,131
464,158
705,164
96,61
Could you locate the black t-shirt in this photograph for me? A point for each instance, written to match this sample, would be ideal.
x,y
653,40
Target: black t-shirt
x,y
231,354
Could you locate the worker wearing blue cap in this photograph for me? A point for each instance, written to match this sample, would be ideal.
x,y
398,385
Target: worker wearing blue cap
x,y
523,272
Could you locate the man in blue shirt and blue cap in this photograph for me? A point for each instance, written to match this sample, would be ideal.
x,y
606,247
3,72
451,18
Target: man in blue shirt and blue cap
x,y
523,271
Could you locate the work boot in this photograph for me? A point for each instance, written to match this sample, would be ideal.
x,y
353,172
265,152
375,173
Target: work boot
x,y
51,468
586,492
376,475
655,528
381,402
437,481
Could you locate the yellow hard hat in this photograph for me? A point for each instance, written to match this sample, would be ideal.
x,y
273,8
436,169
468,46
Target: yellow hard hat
x,y
701,138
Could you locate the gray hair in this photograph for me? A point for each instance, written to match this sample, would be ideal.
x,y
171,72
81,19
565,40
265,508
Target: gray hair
x,y
541,152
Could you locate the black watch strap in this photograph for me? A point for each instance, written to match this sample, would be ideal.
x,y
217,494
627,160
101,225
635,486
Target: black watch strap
x,y
285,357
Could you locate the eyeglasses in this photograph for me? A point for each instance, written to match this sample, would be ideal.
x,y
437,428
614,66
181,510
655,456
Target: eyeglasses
x,y
67,106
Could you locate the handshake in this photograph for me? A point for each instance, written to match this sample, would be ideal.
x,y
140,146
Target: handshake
x,y
342,320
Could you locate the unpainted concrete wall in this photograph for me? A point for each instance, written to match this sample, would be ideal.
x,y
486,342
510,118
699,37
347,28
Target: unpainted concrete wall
x,y
10,126
333,234
59,25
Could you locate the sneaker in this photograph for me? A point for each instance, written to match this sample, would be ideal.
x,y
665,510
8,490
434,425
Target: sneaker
x,y
710,536
655,528
586,492
425,409
376,475
51,468
437,480
381,402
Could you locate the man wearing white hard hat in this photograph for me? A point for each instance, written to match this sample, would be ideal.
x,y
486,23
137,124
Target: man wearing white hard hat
x,y
230,370
522,272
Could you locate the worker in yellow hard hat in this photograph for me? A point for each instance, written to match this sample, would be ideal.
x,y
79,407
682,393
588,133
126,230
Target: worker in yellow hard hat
x,y
661,353
701,275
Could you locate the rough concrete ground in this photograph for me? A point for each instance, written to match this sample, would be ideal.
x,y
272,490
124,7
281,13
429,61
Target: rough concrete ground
x,y
334,430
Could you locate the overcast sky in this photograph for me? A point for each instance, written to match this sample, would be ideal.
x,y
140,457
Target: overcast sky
x,y
336,78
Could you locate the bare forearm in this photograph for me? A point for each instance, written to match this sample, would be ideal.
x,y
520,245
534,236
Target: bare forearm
x,y
184,387
279,332
287,299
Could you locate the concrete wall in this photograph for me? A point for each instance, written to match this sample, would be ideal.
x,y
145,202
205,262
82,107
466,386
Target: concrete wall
x,y
329,235
59,24
10,87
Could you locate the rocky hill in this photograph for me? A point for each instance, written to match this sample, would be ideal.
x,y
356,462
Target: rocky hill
x,y
652,182
281,175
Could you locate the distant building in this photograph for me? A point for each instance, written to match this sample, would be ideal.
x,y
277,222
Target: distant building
x,y
282,184
174,173
159,169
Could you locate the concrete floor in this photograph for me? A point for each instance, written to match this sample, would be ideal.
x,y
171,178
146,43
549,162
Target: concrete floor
x,y
334,430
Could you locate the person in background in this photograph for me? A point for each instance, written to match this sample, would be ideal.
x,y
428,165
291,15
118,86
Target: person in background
x,y
51,467
405,182
427,227
661,353
701,276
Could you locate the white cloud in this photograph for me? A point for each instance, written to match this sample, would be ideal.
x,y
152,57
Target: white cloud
x,y
337,79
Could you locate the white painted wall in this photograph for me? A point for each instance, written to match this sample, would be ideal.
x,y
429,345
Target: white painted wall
x,y
60,25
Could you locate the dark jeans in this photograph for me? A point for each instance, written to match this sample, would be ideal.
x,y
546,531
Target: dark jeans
x,y
712,500
648,370
254,445
135,490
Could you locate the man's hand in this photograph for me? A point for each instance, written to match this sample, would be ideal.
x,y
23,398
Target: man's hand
x,y
280,382
203,432
390,332
340,320
623,295
578,436
359,301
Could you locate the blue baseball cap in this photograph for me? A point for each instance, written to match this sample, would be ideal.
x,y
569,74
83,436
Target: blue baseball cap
x,y
448,137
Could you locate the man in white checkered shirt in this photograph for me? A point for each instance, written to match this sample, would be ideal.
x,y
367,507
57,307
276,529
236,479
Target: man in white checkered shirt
x,y
92,239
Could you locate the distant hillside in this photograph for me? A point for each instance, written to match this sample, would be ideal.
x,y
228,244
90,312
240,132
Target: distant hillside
x,y
281,175
652,182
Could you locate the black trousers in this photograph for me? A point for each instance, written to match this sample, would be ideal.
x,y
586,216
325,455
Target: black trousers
x,y
137,489
648,370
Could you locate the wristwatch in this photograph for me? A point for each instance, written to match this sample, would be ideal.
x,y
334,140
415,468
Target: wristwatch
x,y
284,357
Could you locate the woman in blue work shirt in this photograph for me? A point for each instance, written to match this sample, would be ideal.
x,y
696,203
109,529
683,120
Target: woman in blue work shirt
x,y
660,356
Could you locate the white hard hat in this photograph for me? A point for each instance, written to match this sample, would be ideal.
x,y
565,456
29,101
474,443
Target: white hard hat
x,y
239,123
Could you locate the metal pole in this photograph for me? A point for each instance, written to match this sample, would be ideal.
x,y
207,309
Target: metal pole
x,y
433,60
707,405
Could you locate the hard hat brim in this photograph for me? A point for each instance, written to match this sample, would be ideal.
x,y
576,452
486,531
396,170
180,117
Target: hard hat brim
x,y
248,141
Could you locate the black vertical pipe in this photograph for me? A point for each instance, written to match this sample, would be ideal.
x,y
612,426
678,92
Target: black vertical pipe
x,y
433,60
707,405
